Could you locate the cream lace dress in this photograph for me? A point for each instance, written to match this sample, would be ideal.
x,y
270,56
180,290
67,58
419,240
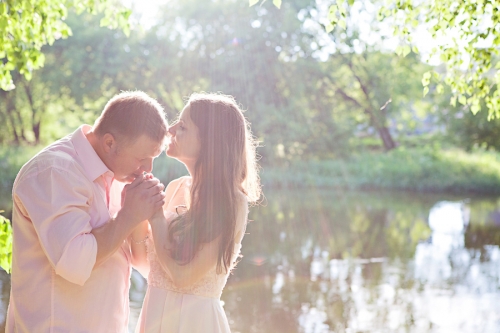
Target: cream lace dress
x,y
194,309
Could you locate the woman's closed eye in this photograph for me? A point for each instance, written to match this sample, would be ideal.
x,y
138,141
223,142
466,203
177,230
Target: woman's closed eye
x,y
173,124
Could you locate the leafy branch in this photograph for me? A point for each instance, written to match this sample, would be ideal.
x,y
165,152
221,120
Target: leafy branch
x,y
26,26
277,3
5,244
471,29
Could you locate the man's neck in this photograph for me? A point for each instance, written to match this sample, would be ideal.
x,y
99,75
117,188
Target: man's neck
x,y
95,143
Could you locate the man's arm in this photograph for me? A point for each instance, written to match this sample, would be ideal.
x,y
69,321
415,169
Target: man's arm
x,y
56,200
141,199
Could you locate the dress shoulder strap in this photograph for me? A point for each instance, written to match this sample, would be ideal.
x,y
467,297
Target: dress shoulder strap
x,y
181,181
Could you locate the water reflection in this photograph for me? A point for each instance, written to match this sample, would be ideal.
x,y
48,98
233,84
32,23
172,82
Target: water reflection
x,y
322,261
461,285
369,263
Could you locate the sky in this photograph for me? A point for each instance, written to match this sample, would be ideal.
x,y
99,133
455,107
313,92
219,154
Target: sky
x,y
144,11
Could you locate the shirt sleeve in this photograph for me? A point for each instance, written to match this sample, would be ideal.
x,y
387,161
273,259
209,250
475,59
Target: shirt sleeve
x,y
56,200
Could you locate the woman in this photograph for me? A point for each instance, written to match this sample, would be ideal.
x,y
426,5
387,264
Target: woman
x,y
196,238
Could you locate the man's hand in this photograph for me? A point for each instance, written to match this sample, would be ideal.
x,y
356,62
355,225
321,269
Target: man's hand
x,y
142,198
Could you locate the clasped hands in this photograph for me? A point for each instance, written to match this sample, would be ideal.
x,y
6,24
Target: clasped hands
x,y
143,198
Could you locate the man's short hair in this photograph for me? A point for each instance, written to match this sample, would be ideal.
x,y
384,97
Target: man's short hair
x,y
131,114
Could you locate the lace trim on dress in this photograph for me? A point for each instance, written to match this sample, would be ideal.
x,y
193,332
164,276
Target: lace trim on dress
x,y
210,285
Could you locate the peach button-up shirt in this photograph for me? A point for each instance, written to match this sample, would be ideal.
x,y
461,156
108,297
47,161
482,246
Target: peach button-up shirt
x,y
59,197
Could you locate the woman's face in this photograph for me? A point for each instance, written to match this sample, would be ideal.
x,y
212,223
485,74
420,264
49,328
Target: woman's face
x,y
185,142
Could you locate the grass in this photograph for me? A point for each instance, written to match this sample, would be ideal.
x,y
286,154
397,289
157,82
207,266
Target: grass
x,y
416,169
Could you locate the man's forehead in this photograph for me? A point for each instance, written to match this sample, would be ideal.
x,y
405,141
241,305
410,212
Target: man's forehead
x,y
156,149
148,147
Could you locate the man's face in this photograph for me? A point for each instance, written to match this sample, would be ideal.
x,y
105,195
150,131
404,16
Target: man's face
x,y
130,160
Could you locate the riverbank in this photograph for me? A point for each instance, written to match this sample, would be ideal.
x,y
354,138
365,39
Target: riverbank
x,y
415,169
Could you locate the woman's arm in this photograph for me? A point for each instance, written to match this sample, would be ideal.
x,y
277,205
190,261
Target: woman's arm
x,y
138,248
138,237
204,260
182,275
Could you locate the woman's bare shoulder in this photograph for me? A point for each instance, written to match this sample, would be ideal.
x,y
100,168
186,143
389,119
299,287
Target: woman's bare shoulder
x,y
242,207
174,183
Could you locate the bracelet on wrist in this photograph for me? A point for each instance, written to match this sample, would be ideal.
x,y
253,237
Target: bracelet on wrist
x,y
139,242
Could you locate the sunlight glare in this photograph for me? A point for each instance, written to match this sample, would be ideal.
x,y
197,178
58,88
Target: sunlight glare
x,y
144,12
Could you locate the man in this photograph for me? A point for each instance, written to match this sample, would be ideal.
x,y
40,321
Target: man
x,y
73,214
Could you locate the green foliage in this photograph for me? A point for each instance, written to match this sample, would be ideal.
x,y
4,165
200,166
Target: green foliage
x,y
12,159
5,244
470,52
277,3
261,55
26,26
472,131
301,105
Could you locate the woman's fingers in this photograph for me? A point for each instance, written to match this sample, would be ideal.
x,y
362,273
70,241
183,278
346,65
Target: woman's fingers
x,y
158,198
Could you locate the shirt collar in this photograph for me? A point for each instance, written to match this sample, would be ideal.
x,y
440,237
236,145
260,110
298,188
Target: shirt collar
x,y
91,162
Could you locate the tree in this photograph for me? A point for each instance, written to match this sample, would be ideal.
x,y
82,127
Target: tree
x,y
262,56
471,29
26,26
375,86
252,55
378,88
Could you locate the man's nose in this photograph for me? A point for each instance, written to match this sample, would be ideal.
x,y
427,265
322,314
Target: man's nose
x,y
147,166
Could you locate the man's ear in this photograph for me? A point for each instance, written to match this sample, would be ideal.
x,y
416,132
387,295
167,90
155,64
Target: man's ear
x,y
109,143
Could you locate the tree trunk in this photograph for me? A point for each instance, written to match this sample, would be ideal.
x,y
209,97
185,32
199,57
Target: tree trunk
x,y
386,137
9,109
35,125
14,131
36,132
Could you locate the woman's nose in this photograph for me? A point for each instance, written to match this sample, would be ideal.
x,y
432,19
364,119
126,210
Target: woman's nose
x,y
171,130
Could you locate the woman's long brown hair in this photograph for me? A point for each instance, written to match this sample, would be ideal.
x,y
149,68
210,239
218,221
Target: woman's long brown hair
x,y
225,168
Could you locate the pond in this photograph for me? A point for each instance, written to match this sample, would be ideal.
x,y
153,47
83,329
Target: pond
x,y
319,261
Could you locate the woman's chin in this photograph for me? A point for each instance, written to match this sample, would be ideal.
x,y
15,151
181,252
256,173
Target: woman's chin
x,y
170,153
173,155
